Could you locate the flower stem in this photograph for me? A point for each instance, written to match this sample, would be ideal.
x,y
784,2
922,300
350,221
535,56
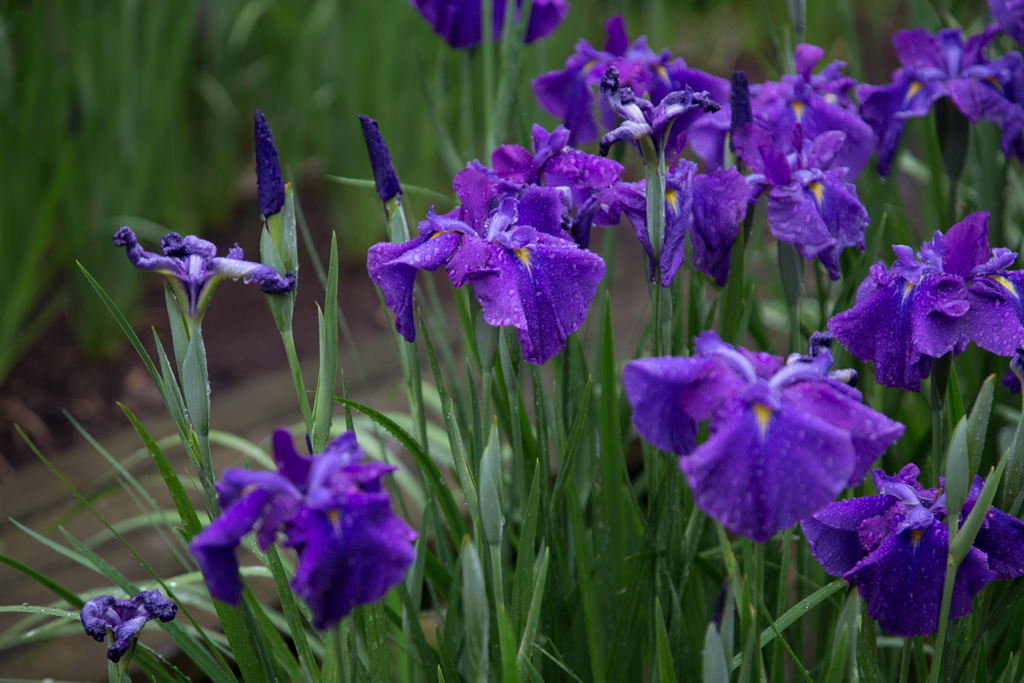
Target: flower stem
x,y
300,386
655,196
791,270
487,48
939,383
947,599
908,646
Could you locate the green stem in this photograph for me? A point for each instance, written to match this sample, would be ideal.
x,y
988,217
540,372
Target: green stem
x,y
947,599
791,271
939,384
908,646
487,47
300,386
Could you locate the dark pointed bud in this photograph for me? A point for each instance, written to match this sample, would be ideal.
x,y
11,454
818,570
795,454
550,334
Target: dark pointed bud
x,y
1014,378
741,113
380,160
819,341
268,169
720,605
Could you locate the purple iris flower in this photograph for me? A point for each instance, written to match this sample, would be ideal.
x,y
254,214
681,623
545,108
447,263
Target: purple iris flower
x,y
333,510
380,160
1010,15
568,93
644,120
955,291
820,103
1012,381
460,24
945,65
894,547
785,436
193,268
811,202
511,244
124,618
707,207
268,169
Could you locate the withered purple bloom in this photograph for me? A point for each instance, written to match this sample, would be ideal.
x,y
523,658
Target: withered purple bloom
x,y
568,93
268,169
894,547
1010,15
706,207
644,120
380,161
524,269
946,65
459,22
333,510
955,291
811,203
194,270
785,436
124,618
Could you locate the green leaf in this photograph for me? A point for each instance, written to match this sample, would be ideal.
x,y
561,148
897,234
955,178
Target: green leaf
x,y
568,456
716,670
733,308
492,516
510,673
179,326
1014,493
968,532
666,672
867,651
523,576
60,591
958,477
977,423
869,257
292,615
456,525
526,643
475,612
612,463
323,404
584,561
377,642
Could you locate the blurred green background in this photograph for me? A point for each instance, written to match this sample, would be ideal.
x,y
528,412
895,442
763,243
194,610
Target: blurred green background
x,y
140,113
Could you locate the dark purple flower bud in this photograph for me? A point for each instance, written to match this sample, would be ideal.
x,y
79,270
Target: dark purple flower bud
x,y
458,22
380,161
1016,374
124,618
894,547
740,103
956,290
771,424
193,268
332,508
268,169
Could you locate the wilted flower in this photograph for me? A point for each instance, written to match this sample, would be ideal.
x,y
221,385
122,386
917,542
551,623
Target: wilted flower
x,y
785,436
643,120
945,65
955,291
708,208
268,169
460,24
524,269
1010,15
332,509
194,270
894,547
124,618
568,93
811,202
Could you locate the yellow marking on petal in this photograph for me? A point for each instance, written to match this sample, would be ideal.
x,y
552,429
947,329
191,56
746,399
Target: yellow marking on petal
x,y
906,289
819,191
438,234
660,70
672,197
589,65
332,515
991,80
915,87
763,414
1007,284
798,108
915,537
524,256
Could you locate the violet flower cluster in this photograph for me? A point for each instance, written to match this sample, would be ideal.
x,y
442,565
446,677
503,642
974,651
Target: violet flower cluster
x,y
124,619
785,436
894,547
509,240
459,22
332,508
946,65
194,270
955,291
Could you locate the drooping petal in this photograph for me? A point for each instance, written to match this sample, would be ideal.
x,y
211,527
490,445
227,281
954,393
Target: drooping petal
x,y
719,206
1001,538
671,395
289,462
98,614
392,267
266,278
740,473
995,319
567,95
678,220
1010,15
793,217
147,260
834,532
545,16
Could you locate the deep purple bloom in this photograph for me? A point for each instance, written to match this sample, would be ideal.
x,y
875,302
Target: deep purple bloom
x,y
894,547
1010,15
268,169
642,119
955,291
811,203
1012,381
380,161
945,65
820,103
459,22
193,268
524,269
333,510
785,436
568,93
708,208
739,102
125,618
